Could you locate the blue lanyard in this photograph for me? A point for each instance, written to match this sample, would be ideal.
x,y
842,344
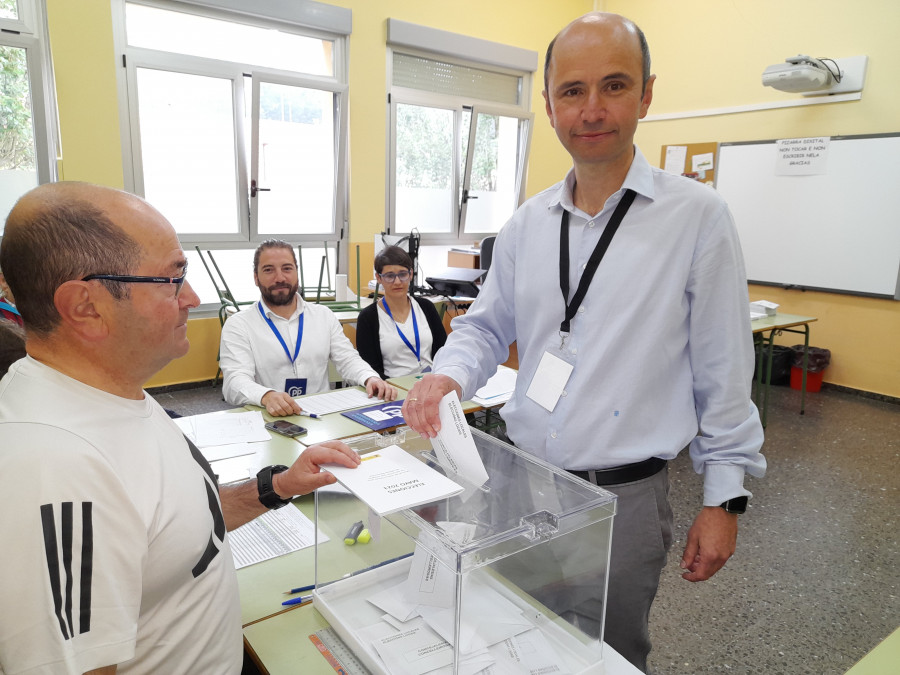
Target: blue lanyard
x,y
9,308
278,335
418,349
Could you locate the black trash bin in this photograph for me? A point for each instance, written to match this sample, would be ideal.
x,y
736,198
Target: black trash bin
x,y
782,358
819,358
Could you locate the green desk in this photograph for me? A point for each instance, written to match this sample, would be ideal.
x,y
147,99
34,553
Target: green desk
x,y
262,585
328,427
764,332
879,660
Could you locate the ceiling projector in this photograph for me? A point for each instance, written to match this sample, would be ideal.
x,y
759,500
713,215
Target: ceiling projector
x,y
799,73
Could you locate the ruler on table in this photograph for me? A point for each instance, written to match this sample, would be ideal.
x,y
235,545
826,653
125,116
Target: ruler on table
x,y
337,653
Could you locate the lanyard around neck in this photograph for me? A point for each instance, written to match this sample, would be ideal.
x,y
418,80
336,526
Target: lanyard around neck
x,y
418,349
593,262
281,339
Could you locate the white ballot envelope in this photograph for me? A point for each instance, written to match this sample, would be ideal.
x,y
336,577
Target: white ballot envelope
x,y
454,445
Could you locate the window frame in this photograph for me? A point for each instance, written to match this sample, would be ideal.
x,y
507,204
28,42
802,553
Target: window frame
x,y
27,22
341,126
287,18
526,118
464,51
29,32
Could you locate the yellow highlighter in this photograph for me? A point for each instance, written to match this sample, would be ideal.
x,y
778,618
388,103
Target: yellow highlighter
x,y
357,533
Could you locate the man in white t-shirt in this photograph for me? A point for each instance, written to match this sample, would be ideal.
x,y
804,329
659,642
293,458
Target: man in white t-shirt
x,y
116,557
279,347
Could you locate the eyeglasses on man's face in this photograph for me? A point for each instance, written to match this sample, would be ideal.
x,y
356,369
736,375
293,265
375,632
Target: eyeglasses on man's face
x,y
131,279
391,277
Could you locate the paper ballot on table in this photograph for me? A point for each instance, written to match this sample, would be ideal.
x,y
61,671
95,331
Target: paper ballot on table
x,y
223,428
498,389
390,479
274,533
454,445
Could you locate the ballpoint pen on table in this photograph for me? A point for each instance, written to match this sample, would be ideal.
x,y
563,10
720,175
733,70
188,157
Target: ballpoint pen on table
x,y
302,589
303,413
298,600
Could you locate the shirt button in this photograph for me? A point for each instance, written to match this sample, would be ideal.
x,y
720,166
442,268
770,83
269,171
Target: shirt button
x,y
591,224
584,266
581,310
553,435
574,351
564,393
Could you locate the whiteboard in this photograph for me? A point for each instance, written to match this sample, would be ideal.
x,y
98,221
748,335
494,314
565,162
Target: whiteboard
x,y
839,231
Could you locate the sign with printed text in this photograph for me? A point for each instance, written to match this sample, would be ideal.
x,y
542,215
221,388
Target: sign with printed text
x,y
801,156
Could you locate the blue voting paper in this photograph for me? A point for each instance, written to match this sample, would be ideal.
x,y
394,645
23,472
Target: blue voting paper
x,y
378,417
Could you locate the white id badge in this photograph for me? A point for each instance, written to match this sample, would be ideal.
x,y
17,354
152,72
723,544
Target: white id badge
x,y
549,381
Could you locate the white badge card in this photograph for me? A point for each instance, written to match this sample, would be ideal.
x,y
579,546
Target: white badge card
x,y
549,381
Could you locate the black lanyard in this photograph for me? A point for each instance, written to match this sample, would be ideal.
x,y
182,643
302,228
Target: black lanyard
x,y
593,262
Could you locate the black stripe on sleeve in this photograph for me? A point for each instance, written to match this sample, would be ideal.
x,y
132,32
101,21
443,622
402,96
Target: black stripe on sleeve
x,y
87,566
66,523
49,528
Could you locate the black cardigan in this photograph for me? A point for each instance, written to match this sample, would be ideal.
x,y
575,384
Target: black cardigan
x,y
368,341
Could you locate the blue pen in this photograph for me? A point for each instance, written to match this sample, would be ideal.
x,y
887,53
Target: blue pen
x,y
303,413
298,601
302,589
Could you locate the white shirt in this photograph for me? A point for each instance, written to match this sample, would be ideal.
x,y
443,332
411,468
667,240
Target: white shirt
x,y
143,575
662,345
399,359
253,361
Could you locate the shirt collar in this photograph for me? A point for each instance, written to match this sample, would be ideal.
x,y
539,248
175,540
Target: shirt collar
x,y
297,311
639,178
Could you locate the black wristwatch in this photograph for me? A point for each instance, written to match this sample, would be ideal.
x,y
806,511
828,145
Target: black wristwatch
x,y
735,505
267,495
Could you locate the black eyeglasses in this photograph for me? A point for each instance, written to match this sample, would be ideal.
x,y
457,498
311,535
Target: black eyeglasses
x,y
391,277
130,279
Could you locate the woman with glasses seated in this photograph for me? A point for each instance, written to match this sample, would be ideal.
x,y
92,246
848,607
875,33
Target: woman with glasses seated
x,y
398,334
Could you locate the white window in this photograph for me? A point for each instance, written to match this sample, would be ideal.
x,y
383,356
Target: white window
x,y
235,124
459,133
28,129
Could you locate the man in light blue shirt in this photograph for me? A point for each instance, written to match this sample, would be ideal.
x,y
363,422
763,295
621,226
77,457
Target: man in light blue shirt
x,y
626,361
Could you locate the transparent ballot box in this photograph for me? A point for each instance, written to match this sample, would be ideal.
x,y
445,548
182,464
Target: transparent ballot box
x,y
506,577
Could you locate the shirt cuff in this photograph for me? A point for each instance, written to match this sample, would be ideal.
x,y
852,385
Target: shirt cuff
x,y
722,482
459,376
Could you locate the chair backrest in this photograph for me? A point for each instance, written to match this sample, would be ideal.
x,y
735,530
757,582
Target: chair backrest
x,y
226,297
487,252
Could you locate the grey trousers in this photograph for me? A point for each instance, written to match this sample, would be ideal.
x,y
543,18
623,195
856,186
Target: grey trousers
x,y
642,536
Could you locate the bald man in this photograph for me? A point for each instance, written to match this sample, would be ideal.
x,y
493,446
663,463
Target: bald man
x,y
624,289
117,558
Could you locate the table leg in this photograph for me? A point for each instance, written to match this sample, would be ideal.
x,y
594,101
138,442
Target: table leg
x,y
765,414
758,341
805,364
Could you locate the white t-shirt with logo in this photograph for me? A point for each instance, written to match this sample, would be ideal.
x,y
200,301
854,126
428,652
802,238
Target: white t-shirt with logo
x,y
114,543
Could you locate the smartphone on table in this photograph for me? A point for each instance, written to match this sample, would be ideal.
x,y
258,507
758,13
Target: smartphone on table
x,y
285,428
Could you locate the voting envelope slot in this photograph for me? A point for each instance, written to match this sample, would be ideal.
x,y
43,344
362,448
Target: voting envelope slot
x,y
510,574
